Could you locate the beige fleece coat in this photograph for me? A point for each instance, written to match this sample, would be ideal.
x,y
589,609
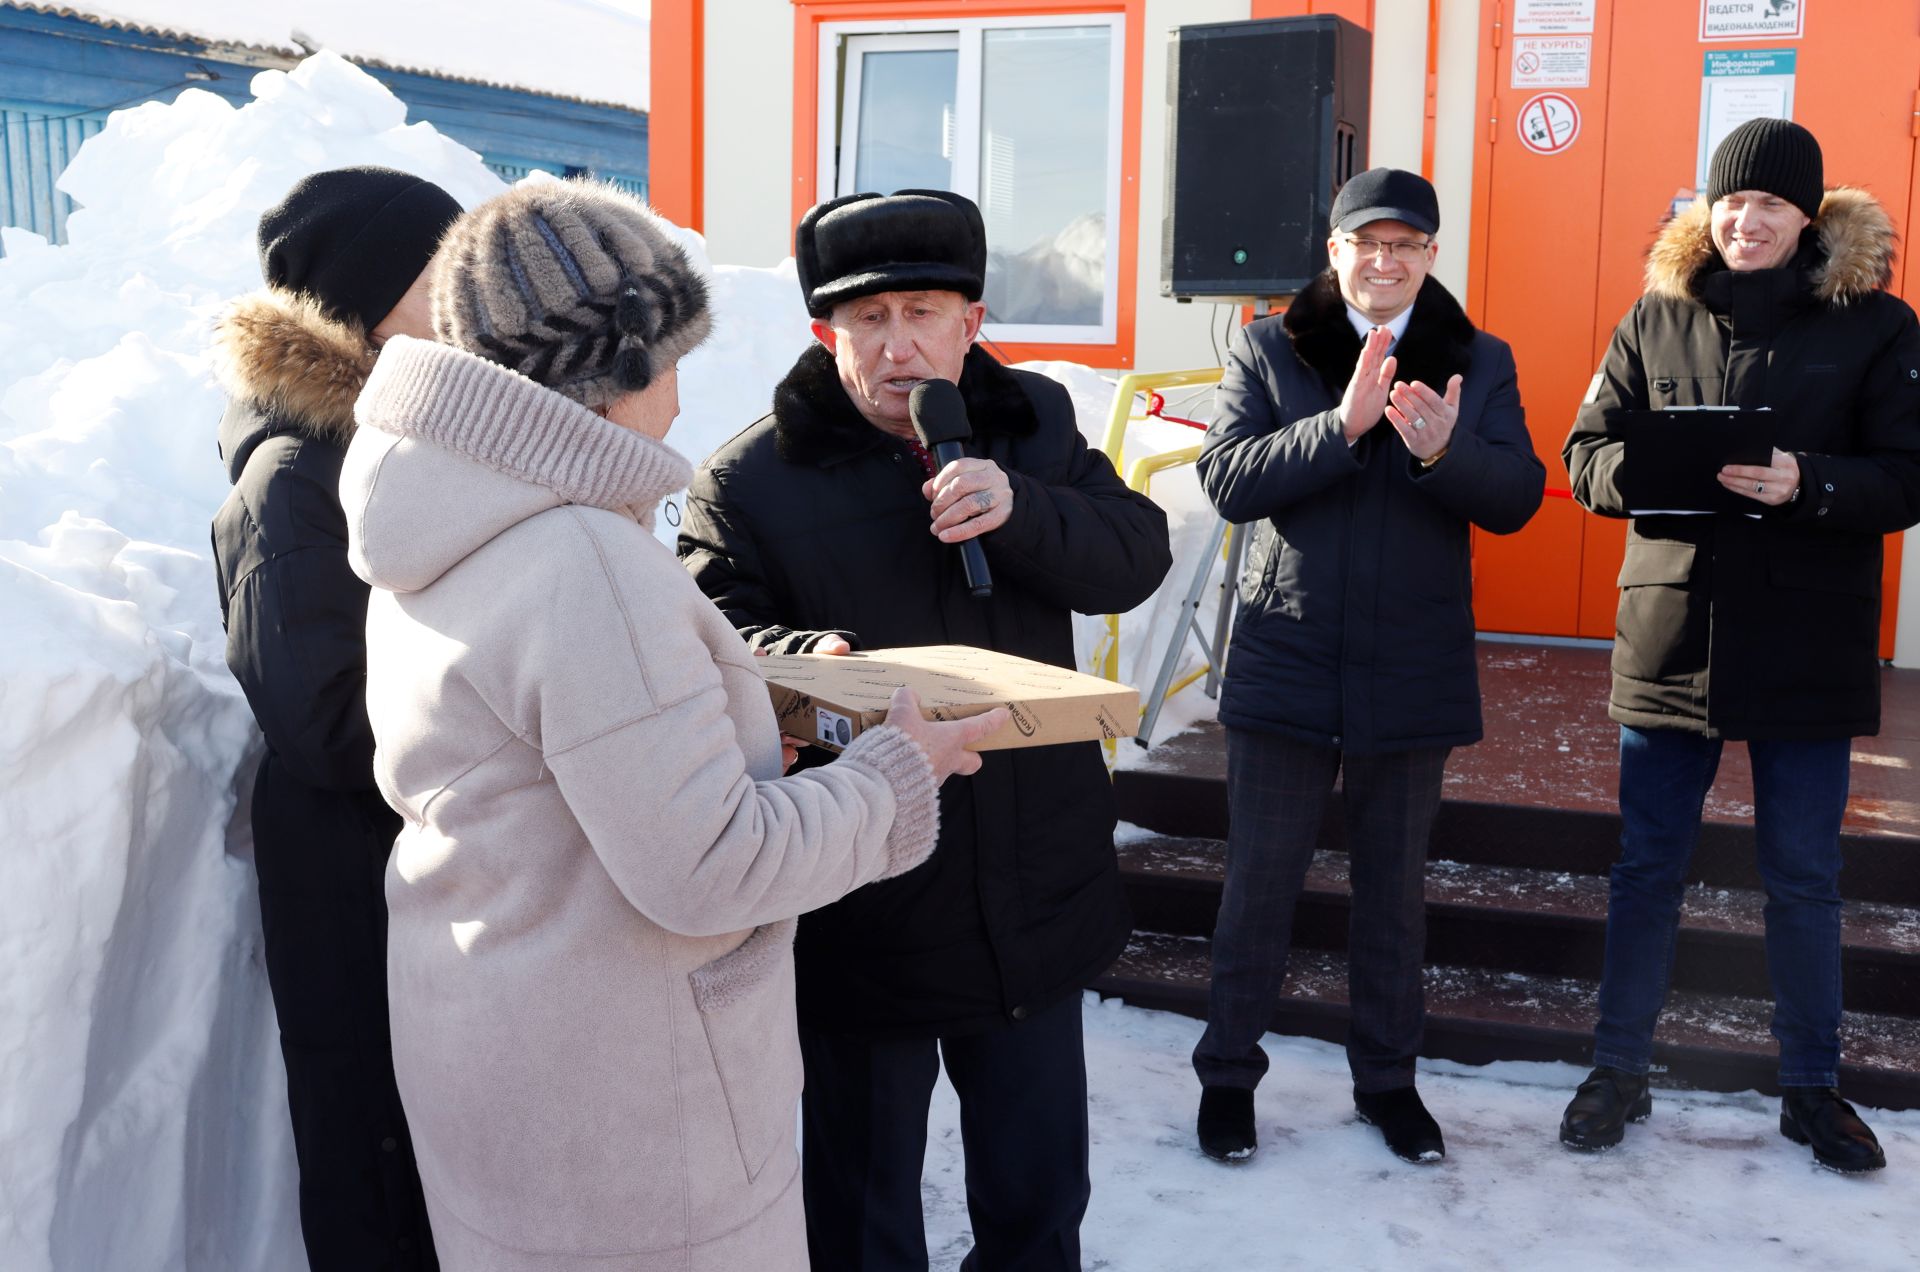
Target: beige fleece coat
x,y
592,898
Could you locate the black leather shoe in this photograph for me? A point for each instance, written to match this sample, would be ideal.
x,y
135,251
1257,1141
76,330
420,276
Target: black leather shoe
x,y
1409,1129
1602,1106
1226,1123
1820,1119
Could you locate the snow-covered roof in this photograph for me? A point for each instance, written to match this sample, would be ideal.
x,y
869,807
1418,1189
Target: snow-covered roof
x,y
583,50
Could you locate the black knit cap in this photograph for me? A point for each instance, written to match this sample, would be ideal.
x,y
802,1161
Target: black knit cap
x,y
912,240
1386,194
354,239
1775,156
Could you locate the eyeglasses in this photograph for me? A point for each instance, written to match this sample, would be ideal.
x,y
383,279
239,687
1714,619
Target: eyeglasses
x,y
1406,251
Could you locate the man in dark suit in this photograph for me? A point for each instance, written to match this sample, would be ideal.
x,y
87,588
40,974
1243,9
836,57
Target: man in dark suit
x,y
1360,435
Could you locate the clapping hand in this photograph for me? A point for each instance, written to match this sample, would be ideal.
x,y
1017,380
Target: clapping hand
x,y
1366,395
1424,419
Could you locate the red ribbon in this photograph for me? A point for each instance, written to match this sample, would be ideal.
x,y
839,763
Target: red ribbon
x,y
1157,409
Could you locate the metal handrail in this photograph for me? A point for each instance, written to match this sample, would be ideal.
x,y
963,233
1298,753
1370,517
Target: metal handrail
x,y
1106,655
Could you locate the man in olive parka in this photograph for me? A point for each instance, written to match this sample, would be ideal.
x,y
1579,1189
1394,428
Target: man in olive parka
x,y
1760,626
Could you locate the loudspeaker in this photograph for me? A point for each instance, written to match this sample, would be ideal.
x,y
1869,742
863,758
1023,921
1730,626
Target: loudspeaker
x,y
1267,120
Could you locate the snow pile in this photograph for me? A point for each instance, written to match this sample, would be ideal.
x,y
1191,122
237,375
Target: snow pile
x,y
464,40
142,1116
1707,1182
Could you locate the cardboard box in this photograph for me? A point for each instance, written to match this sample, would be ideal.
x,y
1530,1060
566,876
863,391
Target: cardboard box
x,y
833,698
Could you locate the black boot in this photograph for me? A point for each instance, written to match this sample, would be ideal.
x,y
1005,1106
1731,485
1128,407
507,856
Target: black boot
x,y
1226,1123
1819,1118
1409,1129
1602,1106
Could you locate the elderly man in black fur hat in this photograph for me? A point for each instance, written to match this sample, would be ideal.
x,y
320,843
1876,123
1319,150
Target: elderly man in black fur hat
x,y
1362,434
826,526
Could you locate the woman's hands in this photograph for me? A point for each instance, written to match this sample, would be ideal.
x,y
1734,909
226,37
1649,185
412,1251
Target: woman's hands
x,y
944,742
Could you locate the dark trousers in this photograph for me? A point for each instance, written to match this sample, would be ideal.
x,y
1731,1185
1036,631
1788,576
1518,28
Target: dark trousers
x,y
1277,791
1023,1126
1799,796
322,860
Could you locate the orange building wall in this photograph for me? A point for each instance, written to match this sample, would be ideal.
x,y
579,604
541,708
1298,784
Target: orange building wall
x,y
675,132
1559,242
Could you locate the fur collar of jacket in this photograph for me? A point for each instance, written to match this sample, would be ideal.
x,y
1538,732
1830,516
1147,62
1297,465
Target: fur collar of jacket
x,y
1854,236
278,351
1437,345
815,421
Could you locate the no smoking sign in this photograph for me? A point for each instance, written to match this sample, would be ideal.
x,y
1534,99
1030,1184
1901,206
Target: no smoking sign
x,y
1548,123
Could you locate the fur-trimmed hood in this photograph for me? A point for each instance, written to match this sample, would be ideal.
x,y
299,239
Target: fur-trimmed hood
x,y
1854,237
815,422
1438,343
280,354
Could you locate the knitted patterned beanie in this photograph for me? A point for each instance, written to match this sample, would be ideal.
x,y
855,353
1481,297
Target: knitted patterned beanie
x,y
574,284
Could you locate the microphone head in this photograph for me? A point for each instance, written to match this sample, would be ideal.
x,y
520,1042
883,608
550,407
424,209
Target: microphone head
x,y
939,413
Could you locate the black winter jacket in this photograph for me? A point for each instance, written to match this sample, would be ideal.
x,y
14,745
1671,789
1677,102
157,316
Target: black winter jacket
x,y
1355,626
295,614
1768,627
812,520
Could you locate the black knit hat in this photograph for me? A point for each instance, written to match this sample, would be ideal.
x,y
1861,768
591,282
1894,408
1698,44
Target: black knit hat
x,y
354,239
1776,156
913,240
1386,194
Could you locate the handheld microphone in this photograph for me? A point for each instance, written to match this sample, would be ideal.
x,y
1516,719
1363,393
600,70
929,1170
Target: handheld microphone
x,y
940,421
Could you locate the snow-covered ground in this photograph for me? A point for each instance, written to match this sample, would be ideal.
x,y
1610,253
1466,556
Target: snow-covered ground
x,y
1706,1183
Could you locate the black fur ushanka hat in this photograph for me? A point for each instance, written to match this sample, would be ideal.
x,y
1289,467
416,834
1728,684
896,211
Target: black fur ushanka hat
x,y
913,240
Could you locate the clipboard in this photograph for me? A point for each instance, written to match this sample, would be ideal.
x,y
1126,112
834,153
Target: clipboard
x,y
1671,459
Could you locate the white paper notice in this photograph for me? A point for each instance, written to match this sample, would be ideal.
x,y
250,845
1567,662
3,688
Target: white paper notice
x,y
1552,61
1553,17
1738,85
1732,105
1748,19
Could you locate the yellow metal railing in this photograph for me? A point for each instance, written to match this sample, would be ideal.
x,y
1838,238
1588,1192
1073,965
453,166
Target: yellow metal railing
x,y
1106,654
1131,387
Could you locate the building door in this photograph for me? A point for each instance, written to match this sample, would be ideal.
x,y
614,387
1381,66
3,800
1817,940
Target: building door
x,y
1573,181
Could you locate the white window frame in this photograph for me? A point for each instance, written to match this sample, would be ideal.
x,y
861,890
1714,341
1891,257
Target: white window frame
x,y
970,34
858,46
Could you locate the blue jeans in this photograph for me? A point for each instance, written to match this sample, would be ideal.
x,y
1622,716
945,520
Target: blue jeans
x,y
1799,793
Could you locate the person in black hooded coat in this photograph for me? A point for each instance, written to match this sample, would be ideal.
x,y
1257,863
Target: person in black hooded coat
x,y
812,527
344,254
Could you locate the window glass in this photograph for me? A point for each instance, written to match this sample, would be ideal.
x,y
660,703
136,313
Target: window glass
x,y
1044,128
905,138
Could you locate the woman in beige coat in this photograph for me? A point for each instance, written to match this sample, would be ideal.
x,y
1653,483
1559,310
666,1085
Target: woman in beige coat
x,y
592,897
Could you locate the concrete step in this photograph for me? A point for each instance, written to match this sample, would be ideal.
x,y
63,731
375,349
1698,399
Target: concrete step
x,y
1538,922
1476,1015
1180,790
